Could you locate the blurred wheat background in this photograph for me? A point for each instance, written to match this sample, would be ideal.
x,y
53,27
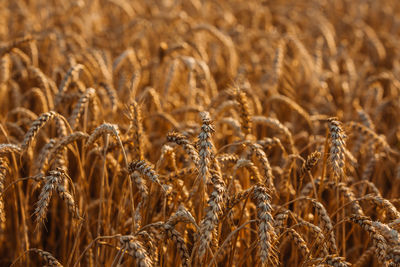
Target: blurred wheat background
x,y
199,133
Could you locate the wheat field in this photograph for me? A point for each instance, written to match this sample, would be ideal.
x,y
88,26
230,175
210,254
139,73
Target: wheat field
x,y
199,133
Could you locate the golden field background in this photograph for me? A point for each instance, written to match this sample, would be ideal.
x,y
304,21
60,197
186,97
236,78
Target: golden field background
x,y
199,133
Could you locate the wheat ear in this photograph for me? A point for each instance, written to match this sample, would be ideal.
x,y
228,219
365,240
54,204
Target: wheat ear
x,y
35,127
378,240
213,211
337,145
266,234
205,145
47,257
135,248
3,172
145,168
181,140
80,106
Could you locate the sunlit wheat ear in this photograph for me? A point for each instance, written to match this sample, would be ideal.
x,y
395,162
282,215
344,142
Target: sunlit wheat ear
x,y
234,124
21,55
298,242
15,130
251,167
397,172
244,111
378,240
170,75
371,187
370,166
189,148
80,107
212,213
64,142
267,170
41,162
35,127
227,159
308,188
280,221
136,123
349,196
365,257
277,125
177,238
15,43
337,145
38,97
44,84
105,128
150,244
51,182
153,96
278,63
325,224
365,118
134,83
236,199
225,39
9,148
140,184
47,257
71,75
311,161
267,143
334,261
369,134
182,215
394,254
317,234
112,95
205,145
136,249
3,172
68,199
137,217
22,112
104,70
145,168
224,107
5,66
391,235
126,55
384,204
266,234
167,158
294,106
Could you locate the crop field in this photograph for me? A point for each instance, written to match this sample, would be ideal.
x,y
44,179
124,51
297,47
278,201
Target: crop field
x,y
200,133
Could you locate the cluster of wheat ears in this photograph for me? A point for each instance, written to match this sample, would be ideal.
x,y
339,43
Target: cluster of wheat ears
x,y
199,133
